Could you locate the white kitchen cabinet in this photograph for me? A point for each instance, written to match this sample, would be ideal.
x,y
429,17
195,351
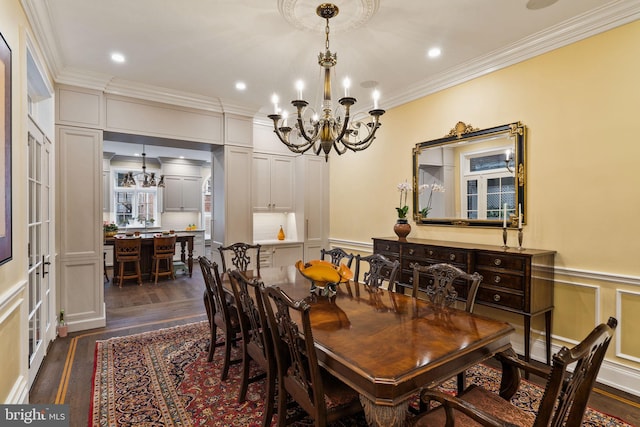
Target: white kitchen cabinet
x,y
182,194
108,257
273,183
280,255
316,201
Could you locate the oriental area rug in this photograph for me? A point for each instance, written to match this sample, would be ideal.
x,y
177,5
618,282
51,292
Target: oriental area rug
x,y
162,378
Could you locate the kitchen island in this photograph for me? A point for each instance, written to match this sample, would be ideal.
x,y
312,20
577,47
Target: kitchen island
x,y
185,239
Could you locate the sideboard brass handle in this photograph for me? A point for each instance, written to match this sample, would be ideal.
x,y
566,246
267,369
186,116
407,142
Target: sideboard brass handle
x,y
497,261
388,247
452,257
411,251
496,297
497,279
430,251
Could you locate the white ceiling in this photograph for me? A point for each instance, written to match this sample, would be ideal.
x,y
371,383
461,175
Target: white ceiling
x,y
192,52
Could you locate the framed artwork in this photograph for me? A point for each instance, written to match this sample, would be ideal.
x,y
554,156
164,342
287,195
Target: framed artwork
x,y
5,151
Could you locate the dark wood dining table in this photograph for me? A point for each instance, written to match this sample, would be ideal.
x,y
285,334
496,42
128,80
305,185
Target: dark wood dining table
x,y
186,251
386,345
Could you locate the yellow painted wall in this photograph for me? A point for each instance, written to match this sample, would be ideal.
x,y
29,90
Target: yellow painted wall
x,y
580,104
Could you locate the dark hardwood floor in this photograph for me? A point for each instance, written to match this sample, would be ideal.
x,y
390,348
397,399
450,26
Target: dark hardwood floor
x,y
66,374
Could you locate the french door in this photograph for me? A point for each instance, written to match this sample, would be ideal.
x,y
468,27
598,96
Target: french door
x,y
42,316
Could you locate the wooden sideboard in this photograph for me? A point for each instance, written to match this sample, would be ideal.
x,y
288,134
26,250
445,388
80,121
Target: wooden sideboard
x,y
518,281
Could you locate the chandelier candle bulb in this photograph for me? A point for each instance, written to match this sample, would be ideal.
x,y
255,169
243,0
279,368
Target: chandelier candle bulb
x,y
299,88
347,84
376,97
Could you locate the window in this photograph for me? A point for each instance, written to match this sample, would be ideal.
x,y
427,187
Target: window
x,y
134,206
489,185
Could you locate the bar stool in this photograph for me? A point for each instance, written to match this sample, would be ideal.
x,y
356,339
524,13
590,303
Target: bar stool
x,y
127,250
164,248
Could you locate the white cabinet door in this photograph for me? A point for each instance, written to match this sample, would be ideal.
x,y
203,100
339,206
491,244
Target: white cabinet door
x,y
172,194
286,255
261,183
315,201
282,173
181,194
191,194
280,255
273,183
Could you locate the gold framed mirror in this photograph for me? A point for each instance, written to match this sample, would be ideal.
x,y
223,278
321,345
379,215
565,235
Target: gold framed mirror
x,y
471,177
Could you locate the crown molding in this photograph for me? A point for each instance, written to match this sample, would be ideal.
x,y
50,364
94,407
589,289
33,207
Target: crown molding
x,y
597,21
581,27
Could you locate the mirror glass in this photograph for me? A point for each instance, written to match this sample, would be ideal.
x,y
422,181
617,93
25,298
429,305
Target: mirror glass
x,y
471,177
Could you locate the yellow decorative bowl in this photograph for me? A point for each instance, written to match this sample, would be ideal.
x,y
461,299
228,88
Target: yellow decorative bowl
x,y
324,275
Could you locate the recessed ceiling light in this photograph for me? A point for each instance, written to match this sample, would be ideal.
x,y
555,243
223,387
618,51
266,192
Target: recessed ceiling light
x,y
241,85
434,52
117,57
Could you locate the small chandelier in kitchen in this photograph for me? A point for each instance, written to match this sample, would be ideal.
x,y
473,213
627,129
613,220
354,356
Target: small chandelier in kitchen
x,y
321,133
148,179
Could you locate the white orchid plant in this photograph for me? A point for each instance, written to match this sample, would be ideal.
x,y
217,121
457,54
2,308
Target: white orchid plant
x,y
424,212
404,188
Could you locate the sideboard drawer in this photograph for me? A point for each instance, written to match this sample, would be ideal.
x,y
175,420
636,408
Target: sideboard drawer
x,y
506,261
385,246
502,279
443,254
500,298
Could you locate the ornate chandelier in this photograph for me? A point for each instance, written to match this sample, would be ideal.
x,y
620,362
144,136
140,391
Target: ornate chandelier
x,y
323,132
148,179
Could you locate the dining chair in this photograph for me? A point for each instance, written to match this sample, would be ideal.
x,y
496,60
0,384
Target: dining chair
x,y
164,248
221,313
441,291
256,339
568,385
127,250
242,256
336,255
321,395
381,270
440,286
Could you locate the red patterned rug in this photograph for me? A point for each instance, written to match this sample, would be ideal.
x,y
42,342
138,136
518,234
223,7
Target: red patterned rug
x,y
162,378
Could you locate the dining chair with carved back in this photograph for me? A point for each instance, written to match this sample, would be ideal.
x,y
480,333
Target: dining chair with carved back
x,y
381,270
257,343
440,290
336,255
221,313
127,250
321,395
569,383
241,256
164,248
